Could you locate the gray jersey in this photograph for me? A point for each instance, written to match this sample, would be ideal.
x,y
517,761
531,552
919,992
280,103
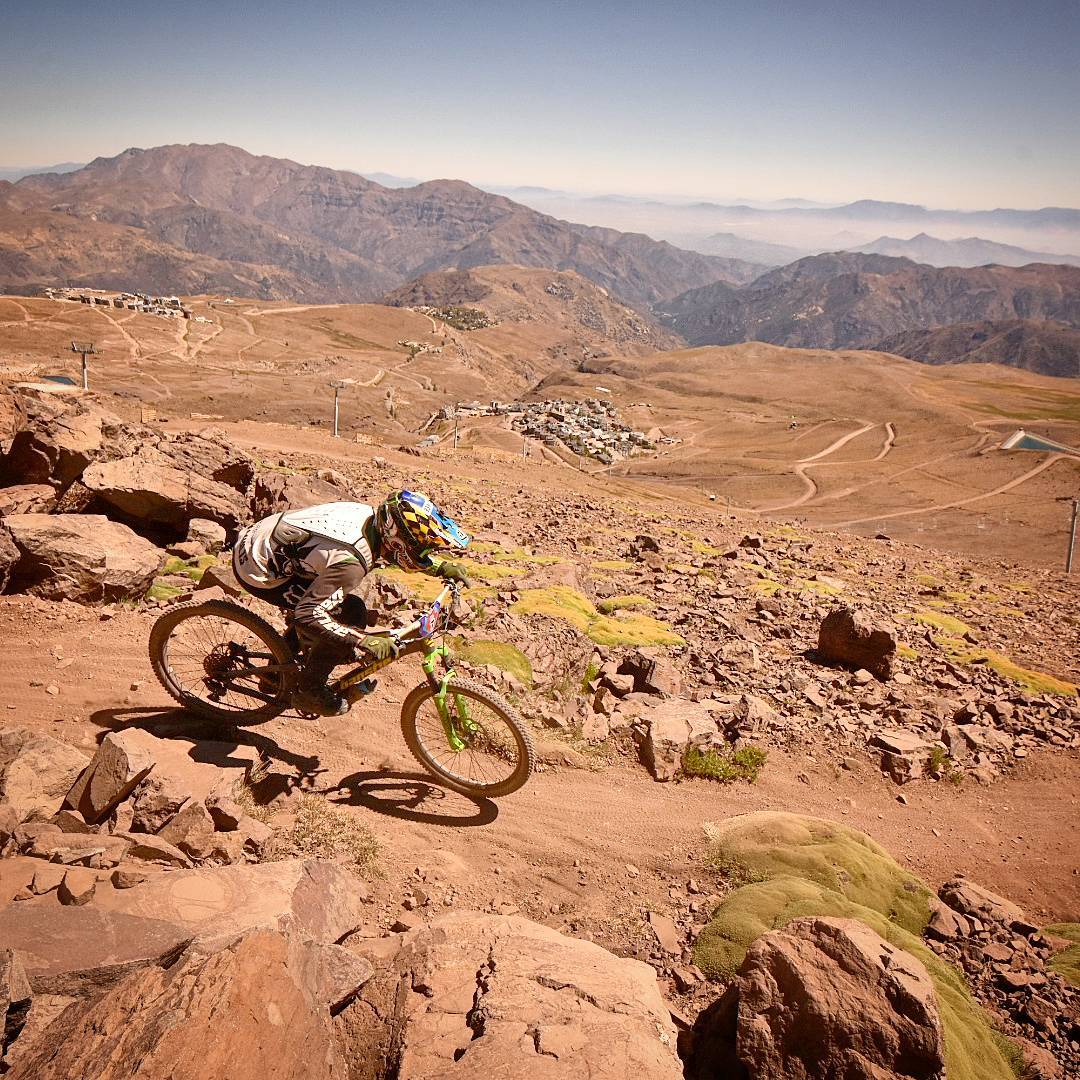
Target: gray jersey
x,y
335,535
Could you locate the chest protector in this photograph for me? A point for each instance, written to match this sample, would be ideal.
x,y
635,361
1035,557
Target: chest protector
x,y
342,523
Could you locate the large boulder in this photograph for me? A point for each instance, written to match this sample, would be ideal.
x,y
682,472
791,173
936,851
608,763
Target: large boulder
x,y
36,772
247,1012
492,995
149,490
121,762
852,639
670,729
275,492
652,673
210,454
823,997
77,949
55,439
82,557
970,899
9,558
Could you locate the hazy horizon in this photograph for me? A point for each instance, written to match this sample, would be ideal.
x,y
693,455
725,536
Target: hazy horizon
x,y
951,106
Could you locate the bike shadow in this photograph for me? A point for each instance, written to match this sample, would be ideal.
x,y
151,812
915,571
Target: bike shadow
x,y
413,797
211,743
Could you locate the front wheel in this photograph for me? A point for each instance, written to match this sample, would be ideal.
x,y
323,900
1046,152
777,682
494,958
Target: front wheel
x,y
475,743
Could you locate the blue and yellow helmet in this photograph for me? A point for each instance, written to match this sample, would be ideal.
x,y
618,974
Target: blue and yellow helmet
x,y
412,528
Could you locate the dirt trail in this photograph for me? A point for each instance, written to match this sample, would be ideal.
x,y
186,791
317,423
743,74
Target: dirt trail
x,y
291,310
1014,483
1015,837
811,488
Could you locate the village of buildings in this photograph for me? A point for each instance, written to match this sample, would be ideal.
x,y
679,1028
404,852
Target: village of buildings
x,y
170,306
589,428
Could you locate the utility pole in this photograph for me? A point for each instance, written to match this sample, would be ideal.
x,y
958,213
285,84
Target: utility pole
x,y
455,427
86,348
1072,536
338,385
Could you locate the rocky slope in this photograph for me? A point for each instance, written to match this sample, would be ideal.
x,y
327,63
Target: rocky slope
x,y
849,300
1051,348
153,872
215,218
521,296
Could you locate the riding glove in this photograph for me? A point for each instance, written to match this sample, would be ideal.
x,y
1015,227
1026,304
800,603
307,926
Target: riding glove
x,y
452,571
380,647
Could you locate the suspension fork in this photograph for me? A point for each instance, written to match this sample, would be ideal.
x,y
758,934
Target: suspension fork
x,y
454,719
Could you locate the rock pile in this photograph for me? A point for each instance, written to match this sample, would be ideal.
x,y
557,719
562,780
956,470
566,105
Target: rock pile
x,y
140,805
1005,958
86,499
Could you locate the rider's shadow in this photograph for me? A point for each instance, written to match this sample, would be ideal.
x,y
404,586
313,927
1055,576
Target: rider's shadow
x,y
413,797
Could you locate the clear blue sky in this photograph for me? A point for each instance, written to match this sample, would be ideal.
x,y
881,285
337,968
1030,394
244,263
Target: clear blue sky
x,y
970,103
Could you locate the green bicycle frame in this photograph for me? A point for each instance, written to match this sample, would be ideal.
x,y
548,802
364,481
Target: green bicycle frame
x,y
456,722
453,738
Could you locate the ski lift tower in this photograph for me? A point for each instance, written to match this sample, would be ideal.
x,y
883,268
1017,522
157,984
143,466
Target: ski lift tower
x,y
86,348
338,385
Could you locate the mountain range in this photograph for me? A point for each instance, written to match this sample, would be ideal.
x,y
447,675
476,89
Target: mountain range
x,y
964,251
199,218
1050,348
806,229
848,300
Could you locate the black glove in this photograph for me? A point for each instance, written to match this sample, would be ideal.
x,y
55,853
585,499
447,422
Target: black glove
x,y
380,647
452,571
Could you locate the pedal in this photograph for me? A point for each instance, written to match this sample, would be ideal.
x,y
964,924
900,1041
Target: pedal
x,y
366,687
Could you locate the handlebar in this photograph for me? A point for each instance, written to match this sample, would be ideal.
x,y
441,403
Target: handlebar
x,y
428,623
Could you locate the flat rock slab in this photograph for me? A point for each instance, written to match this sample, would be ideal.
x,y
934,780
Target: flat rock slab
x,y
65,949
322,900
500,996
241,1013
72,950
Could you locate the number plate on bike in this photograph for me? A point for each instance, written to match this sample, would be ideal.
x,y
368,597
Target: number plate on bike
x,y
429,623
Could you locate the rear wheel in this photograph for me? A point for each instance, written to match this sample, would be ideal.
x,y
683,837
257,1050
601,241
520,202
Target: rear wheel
x,y
222,661
487,751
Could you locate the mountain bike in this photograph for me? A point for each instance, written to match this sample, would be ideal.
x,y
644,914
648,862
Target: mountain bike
x,y
224,662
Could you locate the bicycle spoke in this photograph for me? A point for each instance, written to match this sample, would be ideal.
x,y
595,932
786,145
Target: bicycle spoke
x,y
490,752
219,661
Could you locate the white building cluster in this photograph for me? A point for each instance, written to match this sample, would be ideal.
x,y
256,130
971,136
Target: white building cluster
x,y
130,301
589,428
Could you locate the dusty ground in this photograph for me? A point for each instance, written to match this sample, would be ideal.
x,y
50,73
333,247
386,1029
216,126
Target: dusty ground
x,y
593,849
590,849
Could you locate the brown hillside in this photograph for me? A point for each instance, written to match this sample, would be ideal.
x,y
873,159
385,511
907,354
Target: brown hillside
x,y
849,300
1047,347
303,232
564,305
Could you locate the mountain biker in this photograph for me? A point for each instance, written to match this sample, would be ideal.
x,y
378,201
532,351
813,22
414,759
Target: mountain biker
x,y
307,562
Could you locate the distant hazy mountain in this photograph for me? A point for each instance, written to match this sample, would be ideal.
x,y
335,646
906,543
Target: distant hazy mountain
x,y
17,172
1050,348
968,251
216,218
807,228
851,300
738,247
